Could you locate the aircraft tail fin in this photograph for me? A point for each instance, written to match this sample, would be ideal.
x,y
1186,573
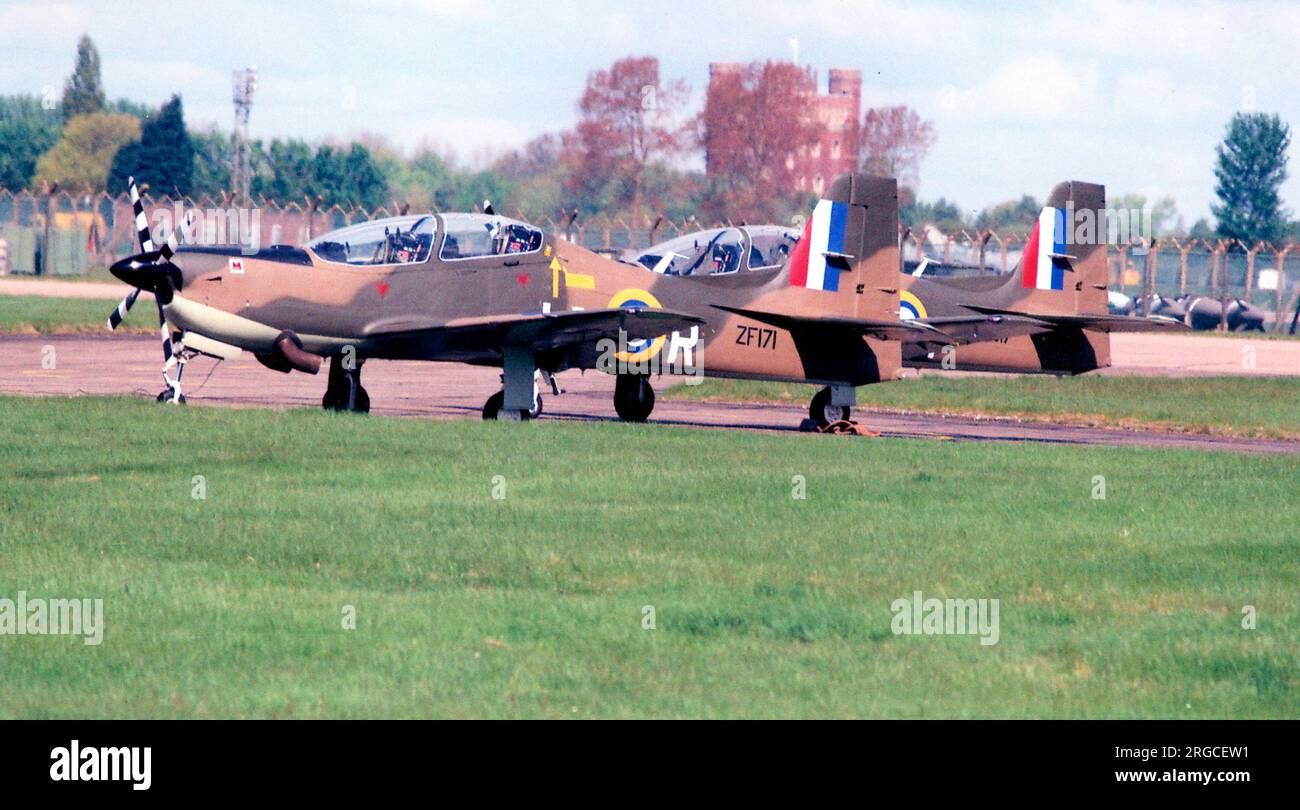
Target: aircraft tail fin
x,y
841,284
1063,268
1062,280
846,262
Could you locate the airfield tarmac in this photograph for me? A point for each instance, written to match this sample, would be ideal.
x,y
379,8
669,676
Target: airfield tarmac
x,y
129,364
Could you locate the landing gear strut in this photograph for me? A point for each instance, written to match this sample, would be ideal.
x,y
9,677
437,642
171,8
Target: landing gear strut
x,y
177,355
343,392
831,405
634,399
518,398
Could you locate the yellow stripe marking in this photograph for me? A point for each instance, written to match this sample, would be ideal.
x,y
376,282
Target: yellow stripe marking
x,y
580,281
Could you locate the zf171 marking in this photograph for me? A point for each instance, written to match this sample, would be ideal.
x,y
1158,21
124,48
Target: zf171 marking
x,y
756,336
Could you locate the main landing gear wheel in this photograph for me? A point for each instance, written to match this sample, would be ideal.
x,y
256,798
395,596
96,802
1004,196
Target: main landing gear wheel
x,y
344,392
634,399
166,396
338,401
492,409
823,413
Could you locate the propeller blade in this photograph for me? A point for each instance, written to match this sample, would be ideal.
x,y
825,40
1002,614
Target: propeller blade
x,y
118,315
141,221
166,253
166,338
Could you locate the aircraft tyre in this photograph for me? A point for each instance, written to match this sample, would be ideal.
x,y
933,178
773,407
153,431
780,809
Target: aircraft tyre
x,y
337,400
492,409
822,412
634,398
339,389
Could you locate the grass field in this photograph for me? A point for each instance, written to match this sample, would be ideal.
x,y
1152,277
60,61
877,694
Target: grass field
x,y
1262,407
31,314
532,605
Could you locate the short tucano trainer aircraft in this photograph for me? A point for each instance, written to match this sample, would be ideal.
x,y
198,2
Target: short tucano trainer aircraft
x,y
489,290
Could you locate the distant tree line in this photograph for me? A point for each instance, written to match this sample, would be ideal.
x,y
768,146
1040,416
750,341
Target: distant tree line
x,y
85,144
625,154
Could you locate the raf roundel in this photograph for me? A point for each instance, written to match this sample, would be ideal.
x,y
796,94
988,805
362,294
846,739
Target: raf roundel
x,y
910,307
638,350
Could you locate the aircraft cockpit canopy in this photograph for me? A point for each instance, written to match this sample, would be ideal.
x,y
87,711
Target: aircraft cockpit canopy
x,y
720,251
770,245
395,240
471,236
705,253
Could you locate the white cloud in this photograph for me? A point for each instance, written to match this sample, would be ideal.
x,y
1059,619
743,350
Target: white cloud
x,y
40,23
1038,87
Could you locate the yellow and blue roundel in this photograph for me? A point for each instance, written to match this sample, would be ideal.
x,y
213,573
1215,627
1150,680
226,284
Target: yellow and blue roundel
x,y
910,307
638,350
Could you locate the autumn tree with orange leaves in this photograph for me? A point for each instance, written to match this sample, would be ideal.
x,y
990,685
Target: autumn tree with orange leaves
x,y
628,125
755,120
893,141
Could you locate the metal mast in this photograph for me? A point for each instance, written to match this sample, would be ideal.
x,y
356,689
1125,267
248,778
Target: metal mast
x,y
241,174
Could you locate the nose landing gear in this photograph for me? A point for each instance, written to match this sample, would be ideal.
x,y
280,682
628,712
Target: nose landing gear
x,y
343,392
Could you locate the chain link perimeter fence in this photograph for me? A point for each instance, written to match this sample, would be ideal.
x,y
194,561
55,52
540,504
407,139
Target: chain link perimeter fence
x,y
70,235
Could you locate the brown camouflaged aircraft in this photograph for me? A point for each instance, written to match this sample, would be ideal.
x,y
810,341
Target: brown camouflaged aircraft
x,y
1047,315
488,290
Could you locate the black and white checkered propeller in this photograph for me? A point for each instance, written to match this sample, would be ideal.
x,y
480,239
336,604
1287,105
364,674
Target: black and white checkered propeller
x,y
152,270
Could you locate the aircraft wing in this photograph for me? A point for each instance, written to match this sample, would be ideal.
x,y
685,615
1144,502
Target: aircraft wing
x,y
883,329
978,328
546,330
1098,323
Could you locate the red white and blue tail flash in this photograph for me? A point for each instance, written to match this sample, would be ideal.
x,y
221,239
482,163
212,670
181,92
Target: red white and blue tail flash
x,y
1045,261
823,238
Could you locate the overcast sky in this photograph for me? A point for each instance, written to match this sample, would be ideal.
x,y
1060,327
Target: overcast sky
x,y
1134,94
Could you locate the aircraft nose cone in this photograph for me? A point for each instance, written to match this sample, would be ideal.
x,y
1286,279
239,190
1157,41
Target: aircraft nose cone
x,y
134,270
145,272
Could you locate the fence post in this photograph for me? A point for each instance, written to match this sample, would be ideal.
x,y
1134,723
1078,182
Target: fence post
x,y
1123,265
43,265
569,226
311,215
1221,282
1281,284
984,243
1214,268
1250,270
1183,250
1150,267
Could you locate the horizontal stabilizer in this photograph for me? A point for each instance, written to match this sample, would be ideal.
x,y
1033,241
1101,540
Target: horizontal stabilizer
x,y
1097,323
977,328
